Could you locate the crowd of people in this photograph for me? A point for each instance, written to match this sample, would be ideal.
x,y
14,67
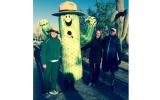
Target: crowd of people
x,y
105,50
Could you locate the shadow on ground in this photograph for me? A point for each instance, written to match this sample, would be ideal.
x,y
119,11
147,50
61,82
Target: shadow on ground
x,y
81,92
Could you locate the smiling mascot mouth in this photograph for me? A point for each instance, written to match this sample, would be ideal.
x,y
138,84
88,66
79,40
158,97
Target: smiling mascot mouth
x,y
68,23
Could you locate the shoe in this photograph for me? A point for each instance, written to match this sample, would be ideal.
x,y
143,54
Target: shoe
x,y
54,92
90,84
101,84
112,87
47,95
93,85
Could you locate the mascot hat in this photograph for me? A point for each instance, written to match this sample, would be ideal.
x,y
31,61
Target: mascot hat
x,y
68,7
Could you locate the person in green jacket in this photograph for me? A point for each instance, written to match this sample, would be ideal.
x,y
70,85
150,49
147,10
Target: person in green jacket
x,y
50,56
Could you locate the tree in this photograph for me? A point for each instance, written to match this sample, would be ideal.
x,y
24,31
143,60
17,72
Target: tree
x,y
103,13
120,18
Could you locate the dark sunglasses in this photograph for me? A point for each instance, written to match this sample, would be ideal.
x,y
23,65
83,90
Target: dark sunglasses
x,y
112,31
54,31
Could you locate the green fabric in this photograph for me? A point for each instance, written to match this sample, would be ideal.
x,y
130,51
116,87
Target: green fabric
x,y
71,51
51,50
72,43
50,76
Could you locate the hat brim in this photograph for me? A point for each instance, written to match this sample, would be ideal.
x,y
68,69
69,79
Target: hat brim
x,y
79,13
53,31
114,30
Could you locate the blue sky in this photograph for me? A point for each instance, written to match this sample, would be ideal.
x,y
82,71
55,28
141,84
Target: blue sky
x,y
44,8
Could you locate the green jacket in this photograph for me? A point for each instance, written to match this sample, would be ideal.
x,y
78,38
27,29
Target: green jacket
x,y
51,50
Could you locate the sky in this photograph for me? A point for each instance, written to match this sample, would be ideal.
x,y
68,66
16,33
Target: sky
x,y
44,8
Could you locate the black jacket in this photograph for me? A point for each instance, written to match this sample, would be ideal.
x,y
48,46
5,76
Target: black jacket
x,y
112,47
95,53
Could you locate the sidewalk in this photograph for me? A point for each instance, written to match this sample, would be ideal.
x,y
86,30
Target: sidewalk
x,y
83,91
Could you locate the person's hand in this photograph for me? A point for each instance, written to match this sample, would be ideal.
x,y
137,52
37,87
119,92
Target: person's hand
x,y
119,62
44,66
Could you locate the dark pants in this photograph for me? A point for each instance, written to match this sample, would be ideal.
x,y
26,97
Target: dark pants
x,y
95,70
109,65
38,63
50,76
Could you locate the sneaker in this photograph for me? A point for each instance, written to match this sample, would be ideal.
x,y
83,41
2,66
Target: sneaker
x,y
90,84
54,92
93,85
47,95
101,84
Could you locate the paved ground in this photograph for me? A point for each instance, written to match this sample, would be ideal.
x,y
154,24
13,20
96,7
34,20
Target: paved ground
x,y
84,92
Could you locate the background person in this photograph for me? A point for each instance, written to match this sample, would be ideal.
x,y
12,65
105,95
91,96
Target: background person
x,y
95,56
112,53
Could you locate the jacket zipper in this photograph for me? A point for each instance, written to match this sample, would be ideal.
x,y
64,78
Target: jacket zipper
x,y
108,47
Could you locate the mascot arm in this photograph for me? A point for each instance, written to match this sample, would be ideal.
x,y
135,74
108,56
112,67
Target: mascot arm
x,y
86,37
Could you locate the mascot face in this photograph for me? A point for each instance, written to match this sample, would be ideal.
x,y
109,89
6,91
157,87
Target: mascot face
x,y
69,24
68,20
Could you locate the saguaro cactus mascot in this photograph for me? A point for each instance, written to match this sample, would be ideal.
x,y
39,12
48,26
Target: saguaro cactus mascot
x,y
72,40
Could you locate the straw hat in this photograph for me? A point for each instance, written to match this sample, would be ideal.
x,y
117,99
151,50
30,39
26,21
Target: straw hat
x,y
54,29
68,7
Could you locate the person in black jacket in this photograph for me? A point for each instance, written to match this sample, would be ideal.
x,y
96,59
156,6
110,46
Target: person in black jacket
x,y
95,56
112,53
